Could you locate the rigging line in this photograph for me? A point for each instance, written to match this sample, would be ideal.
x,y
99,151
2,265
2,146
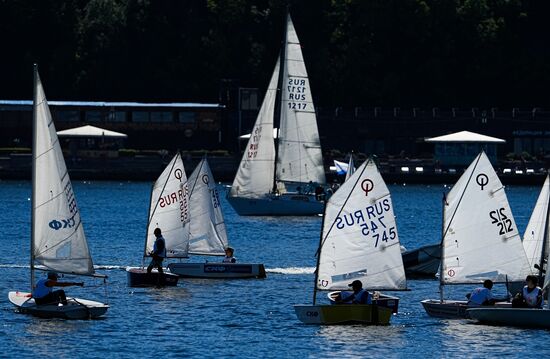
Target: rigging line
x,y
461,197
342,207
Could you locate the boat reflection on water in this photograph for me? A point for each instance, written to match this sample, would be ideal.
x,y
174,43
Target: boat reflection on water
x,y
345,338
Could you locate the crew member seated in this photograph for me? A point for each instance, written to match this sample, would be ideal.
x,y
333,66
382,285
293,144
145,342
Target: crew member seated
x,y
359,295
482,295
530,296
43,292
229,256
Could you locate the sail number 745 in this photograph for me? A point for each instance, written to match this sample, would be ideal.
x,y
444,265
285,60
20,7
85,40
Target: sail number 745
x,y
378,232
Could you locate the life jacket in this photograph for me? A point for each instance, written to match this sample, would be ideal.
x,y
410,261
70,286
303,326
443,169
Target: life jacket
x,y
41,289
160,252
229,260
531,298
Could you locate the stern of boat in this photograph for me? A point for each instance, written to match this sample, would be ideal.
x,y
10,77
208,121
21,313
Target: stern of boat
x,y
368,314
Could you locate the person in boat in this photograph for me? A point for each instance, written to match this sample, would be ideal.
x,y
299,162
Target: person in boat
x,y
359,295
158,254
530,296
43,292
229,258
482,295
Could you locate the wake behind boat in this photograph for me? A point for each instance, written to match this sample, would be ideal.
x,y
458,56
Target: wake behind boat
x,y
359,243
58,242
286,179
208,236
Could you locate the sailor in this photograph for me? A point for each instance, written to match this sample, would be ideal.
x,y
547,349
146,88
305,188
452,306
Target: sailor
x,y
482,295
530,296
43,292
229,251
359,295
158,254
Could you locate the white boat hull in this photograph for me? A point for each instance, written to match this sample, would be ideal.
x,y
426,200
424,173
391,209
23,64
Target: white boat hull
x,y
450,309
76,308
369,314
283,205
218,270
516,317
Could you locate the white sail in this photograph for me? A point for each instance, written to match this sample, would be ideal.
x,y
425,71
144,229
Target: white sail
x,y
207,228
169,210
299,149
360,238
533,239
59,240
481,240
351,167
256,171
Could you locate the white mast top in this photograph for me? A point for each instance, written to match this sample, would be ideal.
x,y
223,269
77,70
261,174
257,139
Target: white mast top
x,y
207,229
360,238
59,243
481,240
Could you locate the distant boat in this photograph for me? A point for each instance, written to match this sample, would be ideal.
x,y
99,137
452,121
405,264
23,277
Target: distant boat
x,y
480,239
169,211
351,167
283,179
422,262
208,236
535,242
58,242
358,241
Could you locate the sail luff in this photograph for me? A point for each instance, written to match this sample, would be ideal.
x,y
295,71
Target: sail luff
x,y
34,178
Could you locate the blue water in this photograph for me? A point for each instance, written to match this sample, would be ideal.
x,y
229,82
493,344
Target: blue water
x,y
240,318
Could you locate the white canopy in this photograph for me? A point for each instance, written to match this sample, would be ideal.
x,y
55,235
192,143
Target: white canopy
x,y
466,136
90,131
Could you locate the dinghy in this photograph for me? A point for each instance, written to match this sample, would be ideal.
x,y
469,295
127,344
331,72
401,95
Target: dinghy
x,y
58,242
358,241
208,236
535,242
480,239
422,262
169,211
282,180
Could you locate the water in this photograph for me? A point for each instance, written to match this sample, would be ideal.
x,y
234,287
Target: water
x,y
240,318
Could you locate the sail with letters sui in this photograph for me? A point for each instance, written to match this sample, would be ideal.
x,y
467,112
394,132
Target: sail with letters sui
x,y
359,238
255,174
300,158
480,237
59,243
207,227
535,239
169,210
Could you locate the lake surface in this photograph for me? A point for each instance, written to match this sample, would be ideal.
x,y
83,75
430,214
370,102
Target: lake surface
x,y
238,318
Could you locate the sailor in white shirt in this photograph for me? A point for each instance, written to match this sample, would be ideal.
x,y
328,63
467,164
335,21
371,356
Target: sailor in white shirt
x,y
530,296
229,256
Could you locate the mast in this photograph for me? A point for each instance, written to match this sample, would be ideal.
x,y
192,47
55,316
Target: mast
x,y
544,240
34,179
442,260
279,99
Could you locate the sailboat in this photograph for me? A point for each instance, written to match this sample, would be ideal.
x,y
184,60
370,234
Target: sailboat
x,y
282,180
480,239
535,243
358,241
169,211
58,242
208,236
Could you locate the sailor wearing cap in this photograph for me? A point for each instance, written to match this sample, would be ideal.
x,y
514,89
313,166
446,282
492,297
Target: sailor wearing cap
x,y
43,292
359,295
229,255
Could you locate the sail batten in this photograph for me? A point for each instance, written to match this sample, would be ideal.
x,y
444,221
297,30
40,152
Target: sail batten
x,y
360,239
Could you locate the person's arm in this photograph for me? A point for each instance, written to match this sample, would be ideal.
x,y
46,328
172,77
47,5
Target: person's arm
x,y
52,283
539,299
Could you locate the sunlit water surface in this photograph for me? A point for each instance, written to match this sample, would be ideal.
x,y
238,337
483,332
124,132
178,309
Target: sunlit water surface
x,y
240,318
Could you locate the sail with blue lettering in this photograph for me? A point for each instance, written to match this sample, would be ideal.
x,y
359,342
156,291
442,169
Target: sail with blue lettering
x,y
360,239
481,239
59,241
169,210
300,158
535,239
207,227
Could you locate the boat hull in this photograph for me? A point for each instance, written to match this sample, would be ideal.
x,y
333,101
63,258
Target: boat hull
x,y
386,301
516,317
138,277
368,314
283,205
422,262
450,309
218,270
76,308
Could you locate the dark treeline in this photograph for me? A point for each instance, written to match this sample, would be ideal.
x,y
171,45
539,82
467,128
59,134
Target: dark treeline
x,y
358,52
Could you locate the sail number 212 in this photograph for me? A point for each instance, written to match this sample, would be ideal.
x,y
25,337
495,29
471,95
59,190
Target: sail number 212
x,y
501,220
